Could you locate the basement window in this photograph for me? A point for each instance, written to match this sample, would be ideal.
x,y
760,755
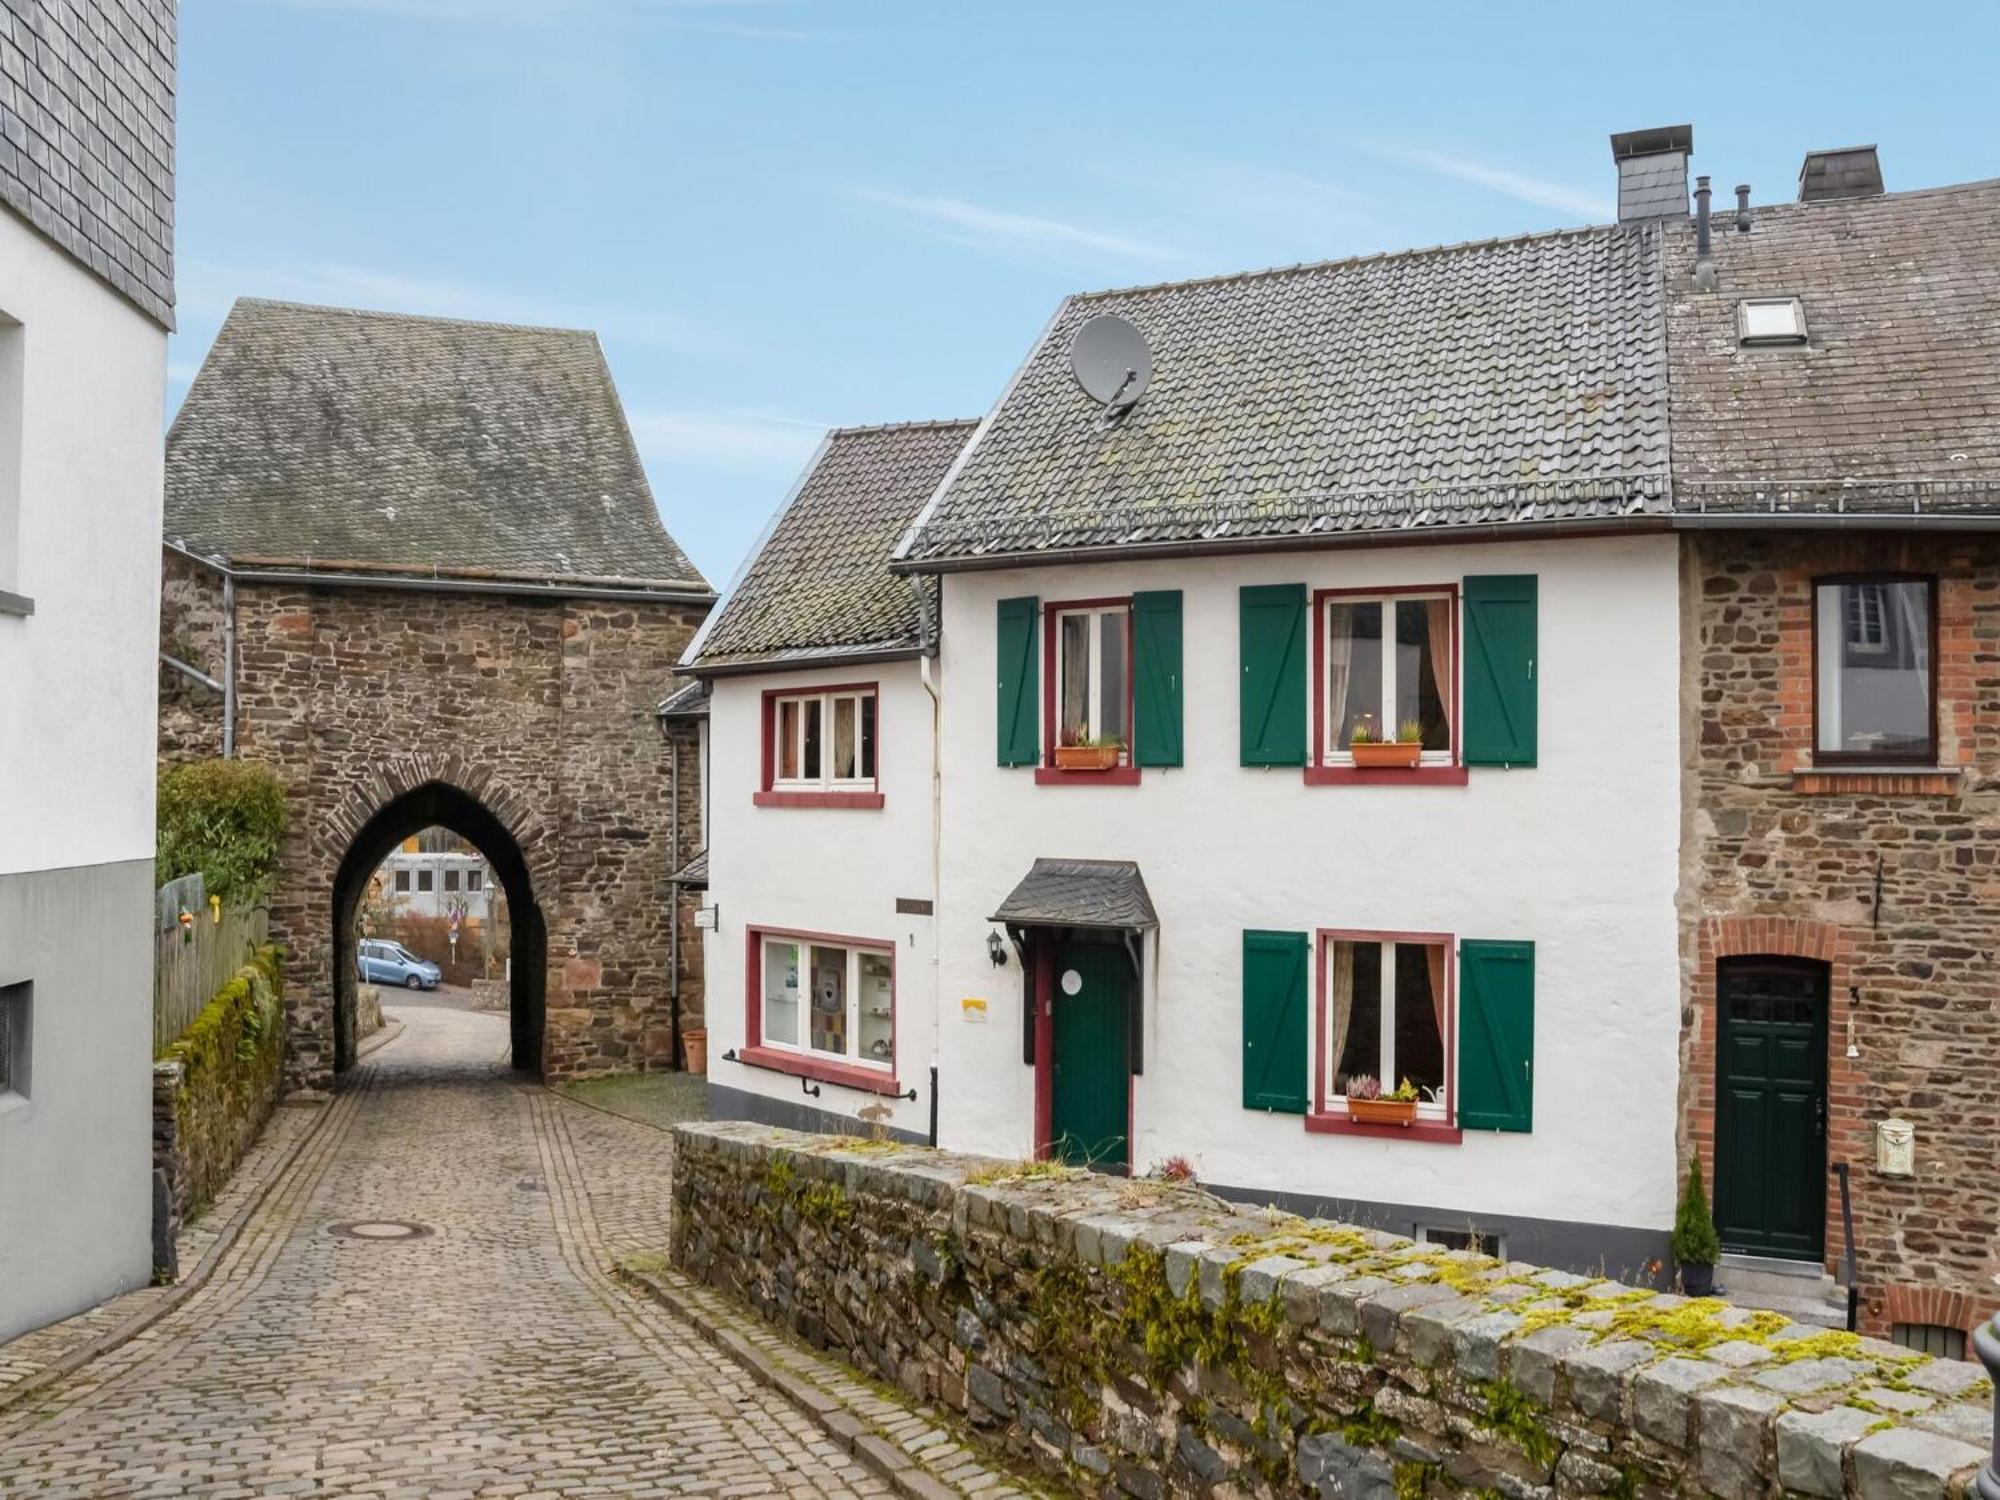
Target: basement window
x,y
15,1019
1933,1339
1770,321
1471,1238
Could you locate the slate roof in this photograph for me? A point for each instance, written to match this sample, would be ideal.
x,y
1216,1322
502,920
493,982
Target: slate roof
x,y
367,441
1893,404
819,586
1079,893
87,136
1502,382
694,873
688,701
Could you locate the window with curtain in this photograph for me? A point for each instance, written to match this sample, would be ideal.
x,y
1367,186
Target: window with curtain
x,y
824,741
1388,1015
1876,677
1387,664
832,1000
1093,665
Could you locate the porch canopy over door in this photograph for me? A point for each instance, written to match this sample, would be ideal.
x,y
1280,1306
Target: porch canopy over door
x,y
1102,898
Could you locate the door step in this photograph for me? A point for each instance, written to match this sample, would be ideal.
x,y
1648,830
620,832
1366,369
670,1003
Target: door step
x,y
1799,1290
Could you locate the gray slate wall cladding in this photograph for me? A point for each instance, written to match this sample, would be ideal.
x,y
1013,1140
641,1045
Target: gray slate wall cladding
x,y
87,135
1145,1340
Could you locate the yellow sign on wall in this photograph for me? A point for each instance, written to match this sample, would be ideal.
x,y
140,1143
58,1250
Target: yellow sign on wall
x,y
974,1010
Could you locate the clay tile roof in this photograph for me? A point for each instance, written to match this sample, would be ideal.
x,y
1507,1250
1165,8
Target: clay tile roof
x,y
819,586
1893,404
1508,381
377,441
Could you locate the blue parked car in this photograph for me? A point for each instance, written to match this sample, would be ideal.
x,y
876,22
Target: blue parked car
x,y
383,962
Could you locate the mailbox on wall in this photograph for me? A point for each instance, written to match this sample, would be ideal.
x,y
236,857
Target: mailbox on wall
x,y
1896,1148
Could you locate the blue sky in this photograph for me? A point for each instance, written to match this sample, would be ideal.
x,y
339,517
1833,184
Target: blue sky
x,y
786,214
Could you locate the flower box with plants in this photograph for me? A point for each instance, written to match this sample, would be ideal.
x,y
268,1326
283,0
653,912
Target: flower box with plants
x,y
1402,753
1696,1244
1082,751
1368,1105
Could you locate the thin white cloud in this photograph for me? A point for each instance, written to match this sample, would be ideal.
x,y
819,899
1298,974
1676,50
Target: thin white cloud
x,y
208,288
733,438
522,12
1540,191
1005,232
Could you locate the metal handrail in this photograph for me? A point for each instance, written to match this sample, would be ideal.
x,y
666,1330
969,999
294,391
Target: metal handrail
x,y
1847,1248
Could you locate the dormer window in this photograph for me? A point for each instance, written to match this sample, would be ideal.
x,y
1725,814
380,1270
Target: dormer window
x,y
1770,321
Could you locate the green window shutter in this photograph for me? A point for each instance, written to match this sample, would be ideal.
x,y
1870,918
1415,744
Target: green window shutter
x,y
1156,660
1274,1021
1017,647
1271,638
1499,672
1496,1036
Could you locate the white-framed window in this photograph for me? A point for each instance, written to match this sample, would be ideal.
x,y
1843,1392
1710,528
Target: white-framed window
x,y
423,880
1875,679
1093,666
1388,1015
403,880
1387,665
824,741
451,880
835,1000
475,880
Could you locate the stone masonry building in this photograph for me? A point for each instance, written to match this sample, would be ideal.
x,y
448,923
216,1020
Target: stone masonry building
x,y
415,566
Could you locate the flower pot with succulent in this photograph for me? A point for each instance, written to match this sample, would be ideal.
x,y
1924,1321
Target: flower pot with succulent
x,y
1082,751
1696,1244
1372,751
1368,1105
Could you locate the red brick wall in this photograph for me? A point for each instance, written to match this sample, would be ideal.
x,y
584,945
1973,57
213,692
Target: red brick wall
x,y
1781,860
542,709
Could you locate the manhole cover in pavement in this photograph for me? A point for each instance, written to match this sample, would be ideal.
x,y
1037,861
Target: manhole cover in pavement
x,y
379,1229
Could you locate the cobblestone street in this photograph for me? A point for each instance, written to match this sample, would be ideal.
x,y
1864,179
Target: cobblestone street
x,y
490,1355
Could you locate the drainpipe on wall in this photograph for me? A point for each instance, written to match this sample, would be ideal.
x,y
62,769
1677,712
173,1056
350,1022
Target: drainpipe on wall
x,y
674,892
228,666
925,676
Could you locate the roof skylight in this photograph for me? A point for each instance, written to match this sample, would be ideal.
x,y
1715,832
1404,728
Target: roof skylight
x,y
1770,320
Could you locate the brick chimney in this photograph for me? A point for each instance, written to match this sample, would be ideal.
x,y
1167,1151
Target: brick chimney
x,y
1653,173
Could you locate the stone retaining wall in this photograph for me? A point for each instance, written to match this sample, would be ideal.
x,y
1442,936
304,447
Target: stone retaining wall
x,y
212,1092
1143,1338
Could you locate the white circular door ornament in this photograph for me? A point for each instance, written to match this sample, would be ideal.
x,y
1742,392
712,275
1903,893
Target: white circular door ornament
x,y
1072,981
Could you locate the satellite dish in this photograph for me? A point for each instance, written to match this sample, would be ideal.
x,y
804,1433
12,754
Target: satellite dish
x,y
1111,361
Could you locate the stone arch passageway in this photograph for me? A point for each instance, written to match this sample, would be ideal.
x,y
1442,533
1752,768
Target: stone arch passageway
x,y
441,805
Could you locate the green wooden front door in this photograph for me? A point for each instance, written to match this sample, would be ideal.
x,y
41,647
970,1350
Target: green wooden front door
x,y
1092,1063
1770,1126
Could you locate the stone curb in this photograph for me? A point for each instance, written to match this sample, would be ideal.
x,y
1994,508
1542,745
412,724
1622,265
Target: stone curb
x,y
855,1436
386,1033
69,1362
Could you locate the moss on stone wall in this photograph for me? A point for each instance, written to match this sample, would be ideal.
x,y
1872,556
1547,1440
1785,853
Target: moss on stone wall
x,y
214,1088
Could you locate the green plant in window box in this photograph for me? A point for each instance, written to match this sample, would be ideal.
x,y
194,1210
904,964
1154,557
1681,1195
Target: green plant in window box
x,y
1369,1104
1080,750
1372,750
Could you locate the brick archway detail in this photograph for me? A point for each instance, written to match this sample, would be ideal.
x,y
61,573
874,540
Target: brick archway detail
x,y
1721,937
1936,1305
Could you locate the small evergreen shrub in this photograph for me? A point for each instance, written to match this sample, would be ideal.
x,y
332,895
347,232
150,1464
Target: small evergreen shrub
x,y
1695,1241
223,818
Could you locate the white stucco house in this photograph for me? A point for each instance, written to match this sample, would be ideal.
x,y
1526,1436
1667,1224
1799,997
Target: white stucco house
x,y
1383,499
822,814
86,300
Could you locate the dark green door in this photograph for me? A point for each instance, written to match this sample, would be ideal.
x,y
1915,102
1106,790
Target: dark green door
x,y
1092,1064
1770,1123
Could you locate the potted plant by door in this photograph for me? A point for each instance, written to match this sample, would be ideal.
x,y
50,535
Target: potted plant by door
x,y
1368,1105
1401,753
1080,751
1696,1245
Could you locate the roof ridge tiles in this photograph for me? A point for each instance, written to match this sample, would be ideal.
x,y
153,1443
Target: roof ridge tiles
x,y
1420,252
920,424
385,315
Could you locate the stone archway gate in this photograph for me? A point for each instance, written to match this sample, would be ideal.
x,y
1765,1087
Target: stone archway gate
x,y
538,707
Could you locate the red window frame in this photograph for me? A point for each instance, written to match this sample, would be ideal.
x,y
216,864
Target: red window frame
x,y
1321,1120
804,1063
1318,772
768,794
1047,773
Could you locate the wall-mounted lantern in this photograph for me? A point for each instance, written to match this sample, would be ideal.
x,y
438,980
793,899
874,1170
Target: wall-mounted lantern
x,y
996,950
